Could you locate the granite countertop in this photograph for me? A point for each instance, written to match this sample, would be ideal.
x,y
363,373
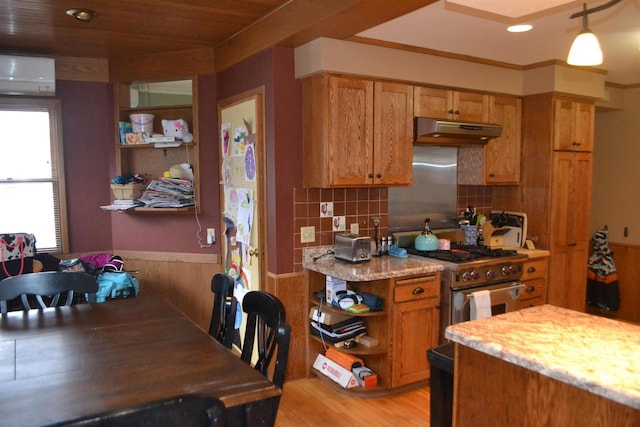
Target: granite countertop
x,y
383,267
589,352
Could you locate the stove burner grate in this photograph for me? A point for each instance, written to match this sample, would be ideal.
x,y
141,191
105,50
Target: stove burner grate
x,y
463,253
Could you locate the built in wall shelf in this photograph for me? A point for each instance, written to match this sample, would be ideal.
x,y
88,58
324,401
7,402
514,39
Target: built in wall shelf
x,y
159,211
152,145
134,110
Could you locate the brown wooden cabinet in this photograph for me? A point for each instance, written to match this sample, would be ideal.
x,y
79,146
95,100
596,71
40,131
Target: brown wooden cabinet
x,y
573,125
357,132
405,328
451,105
502,155
146,159
534,277
416,314
569,228
555,192
497,162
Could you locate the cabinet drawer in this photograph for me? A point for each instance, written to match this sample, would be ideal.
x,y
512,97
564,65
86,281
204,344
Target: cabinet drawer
x,y
533,288
535,269
531,303
417,288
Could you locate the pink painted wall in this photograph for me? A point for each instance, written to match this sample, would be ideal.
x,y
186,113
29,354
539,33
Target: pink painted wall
x,y
274,69
87,127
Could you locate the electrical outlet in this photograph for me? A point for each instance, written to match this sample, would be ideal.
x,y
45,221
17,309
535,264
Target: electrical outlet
x,y
354,228
211,235
307,234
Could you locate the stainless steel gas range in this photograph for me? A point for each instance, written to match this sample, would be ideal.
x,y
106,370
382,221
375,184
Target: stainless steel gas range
x,y
474,268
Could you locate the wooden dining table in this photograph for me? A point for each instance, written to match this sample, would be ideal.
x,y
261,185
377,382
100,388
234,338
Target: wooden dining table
x,y
65,363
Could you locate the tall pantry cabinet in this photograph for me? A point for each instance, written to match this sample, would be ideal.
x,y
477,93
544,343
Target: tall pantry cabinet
x,y
555,189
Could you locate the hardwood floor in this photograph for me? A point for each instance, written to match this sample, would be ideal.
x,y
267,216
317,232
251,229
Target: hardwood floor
x,y
308,402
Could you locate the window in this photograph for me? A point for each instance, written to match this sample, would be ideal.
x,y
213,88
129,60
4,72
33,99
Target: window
x,y
32,190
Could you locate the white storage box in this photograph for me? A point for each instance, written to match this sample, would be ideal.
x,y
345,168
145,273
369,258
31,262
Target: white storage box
x,y
336,372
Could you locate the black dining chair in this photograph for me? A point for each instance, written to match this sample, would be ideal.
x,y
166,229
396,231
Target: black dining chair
x,y
44,289
266,324
223,313
191,410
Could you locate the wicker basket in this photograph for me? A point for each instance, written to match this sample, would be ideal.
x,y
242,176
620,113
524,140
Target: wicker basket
x,y
127,191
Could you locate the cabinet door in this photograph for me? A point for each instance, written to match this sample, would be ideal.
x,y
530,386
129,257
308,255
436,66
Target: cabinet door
x,y
502,155
393,134
416,316
569,231
573,125
434,103
583,128
350,143
451,105
470,107
568,278
570,199
413,335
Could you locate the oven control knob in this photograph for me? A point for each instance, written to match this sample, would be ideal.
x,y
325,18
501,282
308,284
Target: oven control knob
x,y
490,274
507,270
469,275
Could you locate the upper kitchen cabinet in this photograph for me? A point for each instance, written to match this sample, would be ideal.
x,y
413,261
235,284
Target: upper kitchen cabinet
x,y
357,132
451,105
573,125
497,162
502,154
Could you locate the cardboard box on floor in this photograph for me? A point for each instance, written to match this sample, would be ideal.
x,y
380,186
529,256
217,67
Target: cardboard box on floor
x,y
335,372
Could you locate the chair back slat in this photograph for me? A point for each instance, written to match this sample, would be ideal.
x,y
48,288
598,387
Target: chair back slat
x,y
49,284
266,324
223,313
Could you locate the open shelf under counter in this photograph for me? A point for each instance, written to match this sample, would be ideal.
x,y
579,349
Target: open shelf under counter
x,y
360,350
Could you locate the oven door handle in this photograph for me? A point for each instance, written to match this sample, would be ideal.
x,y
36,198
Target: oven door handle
x,y
514,291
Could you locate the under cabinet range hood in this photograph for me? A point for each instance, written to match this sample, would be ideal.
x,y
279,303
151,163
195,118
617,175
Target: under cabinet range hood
x,y
438,131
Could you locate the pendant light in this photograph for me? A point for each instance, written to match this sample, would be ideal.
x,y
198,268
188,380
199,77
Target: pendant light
x,y
585,50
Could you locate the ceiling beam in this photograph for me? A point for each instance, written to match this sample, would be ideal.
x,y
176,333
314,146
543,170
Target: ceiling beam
x,y
300,21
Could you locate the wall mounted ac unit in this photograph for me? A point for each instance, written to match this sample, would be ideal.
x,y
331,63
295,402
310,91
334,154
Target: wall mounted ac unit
x,y
25,75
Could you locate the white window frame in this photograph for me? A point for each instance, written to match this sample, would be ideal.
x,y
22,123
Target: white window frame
x,y
53,107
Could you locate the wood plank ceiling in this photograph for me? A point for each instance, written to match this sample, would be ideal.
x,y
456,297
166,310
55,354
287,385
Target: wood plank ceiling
x,y
234,29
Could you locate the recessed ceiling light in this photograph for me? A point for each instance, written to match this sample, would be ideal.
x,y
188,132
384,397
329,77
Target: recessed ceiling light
x,y
521,28
82,14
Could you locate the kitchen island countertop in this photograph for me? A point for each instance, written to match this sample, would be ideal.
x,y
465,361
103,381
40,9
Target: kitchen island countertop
x,y
593,353
318,259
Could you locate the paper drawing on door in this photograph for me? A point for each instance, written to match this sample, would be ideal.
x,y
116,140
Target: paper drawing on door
x,y
240,173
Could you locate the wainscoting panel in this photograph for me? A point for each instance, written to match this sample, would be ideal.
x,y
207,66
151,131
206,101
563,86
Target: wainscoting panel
x,y
627,261
184,279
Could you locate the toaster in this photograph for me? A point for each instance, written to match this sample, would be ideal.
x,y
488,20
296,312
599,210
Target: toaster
x,y
352,247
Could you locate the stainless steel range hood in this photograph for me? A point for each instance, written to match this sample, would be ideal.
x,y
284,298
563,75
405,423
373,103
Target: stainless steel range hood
x,y
441,132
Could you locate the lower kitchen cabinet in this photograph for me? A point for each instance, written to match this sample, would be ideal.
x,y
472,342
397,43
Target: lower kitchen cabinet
x,y
416,314
405,329
534,277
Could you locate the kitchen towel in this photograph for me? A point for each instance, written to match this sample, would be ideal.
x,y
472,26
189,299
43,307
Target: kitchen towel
x,y
480,304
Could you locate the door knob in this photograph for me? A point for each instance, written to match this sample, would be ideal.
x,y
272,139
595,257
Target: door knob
x,y
253,252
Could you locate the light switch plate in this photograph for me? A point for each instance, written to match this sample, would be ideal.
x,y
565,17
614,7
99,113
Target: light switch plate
x,y
354,228
308,234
